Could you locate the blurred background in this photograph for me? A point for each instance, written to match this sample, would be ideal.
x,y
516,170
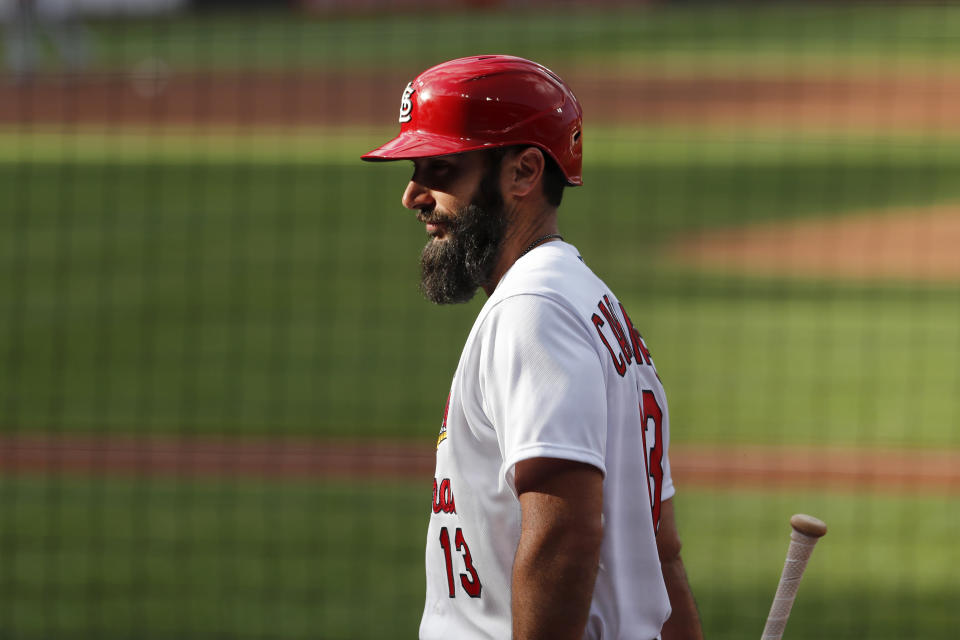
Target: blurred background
x,y
220,388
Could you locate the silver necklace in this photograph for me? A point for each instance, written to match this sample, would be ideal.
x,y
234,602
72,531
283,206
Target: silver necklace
x,y
538,241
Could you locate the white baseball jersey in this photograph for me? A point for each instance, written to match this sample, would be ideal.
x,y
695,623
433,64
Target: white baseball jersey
x,y
554,368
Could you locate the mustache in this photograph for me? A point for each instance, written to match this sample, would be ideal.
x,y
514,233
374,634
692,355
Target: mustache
x,y
432,217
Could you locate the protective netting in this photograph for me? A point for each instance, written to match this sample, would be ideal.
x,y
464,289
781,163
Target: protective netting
x,y
220,388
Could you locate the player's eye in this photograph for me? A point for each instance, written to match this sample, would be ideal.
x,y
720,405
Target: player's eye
x,y
441,167
438,173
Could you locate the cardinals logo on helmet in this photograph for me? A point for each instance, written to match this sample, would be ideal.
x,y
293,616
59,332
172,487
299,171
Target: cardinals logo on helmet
x,y
406,105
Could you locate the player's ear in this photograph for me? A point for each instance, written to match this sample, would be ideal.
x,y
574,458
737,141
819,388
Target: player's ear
x,y
523,172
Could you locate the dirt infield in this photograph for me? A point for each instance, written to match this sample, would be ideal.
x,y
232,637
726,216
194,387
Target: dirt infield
x,y
717,467
154,95
906,244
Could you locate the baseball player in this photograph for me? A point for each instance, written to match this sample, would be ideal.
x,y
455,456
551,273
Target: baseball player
x,y
552,511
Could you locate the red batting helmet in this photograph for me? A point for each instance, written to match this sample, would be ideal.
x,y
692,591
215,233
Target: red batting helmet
x,y
488,101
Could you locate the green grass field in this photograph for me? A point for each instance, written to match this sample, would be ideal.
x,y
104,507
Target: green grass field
x,y
226,282
161,558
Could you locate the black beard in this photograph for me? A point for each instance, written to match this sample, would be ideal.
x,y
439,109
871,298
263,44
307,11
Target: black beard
x,y
451,270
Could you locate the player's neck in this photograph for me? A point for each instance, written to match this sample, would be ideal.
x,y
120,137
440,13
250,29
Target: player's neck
x,y
527,230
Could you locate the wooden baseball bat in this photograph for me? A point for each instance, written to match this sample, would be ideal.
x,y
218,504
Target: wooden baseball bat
x,y
807,530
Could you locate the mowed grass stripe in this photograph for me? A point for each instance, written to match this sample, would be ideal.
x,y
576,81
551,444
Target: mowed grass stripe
x,y
159,557
604,146
840,369
206,145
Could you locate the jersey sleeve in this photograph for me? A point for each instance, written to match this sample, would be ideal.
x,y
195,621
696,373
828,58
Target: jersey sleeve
x,y
667,491
543,384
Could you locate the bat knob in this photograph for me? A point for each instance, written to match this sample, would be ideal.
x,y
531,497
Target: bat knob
x,y
808,525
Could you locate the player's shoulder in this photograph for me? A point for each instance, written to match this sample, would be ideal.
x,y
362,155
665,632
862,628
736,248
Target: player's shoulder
x,y
554,271
551,282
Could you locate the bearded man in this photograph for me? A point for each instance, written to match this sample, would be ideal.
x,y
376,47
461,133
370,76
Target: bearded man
x,y
553,500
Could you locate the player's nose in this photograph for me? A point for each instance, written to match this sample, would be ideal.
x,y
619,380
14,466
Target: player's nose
x,y
416,196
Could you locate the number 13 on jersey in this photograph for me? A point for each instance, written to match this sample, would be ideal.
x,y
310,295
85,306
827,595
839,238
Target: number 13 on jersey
x,y
470,581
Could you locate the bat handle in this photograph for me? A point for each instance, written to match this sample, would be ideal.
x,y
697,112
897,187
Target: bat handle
x,y
807,530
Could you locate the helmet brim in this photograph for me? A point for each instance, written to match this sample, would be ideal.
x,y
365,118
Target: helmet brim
x,y
410,145
417,144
